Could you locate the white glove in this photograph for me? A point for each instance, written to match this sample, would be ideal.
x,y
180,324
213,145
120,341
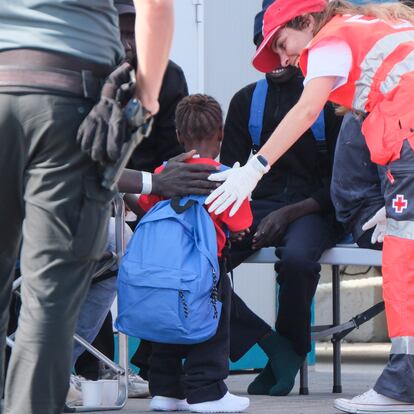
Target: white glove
x,y
239,183
379,220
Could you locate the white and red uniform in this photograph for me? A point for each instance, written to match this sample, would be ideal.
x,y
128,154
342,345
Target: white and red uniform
x,y
381,84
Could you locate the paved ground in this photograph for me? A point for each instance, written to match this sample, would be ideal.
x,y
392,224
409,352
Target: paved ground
x,y
356,378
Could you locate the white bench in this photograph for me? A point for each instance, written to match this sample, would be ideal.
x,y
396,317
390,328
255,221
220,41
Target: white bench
x,y
342,254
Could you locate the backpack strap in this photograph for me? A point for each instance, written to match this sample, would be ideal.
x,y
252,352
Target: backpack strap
x,y
318,128
178,208
192,199
257,107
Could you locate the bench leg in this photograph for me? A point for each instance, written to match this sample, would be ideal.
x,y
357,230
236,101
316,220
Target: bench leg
x,y
336,320
303,387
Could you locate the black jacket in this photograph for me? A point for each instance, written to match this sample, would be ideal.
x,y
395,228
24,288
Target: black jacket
x,y
162,143
304,171
356,188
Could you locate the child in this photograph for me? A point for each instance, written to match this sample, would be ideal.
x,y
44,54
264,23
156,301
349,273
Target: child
x,y
198,385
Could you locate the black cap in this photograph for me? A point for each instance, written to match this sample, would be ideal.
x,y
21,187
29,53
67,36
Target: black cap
x,y
258,21
125,6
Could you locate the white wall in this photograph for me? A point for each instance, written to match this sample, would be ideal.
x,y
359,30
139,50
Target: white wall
x,y
216,52
229,47
187,44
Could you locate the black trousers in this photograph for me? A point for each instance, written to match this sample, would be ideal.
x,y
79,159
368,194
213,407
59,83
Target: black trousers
x,y
365,241
298,274
246,329
201,377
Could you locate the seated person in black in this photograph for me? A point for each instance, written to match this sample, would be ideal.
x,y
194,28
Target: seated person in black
x,y
292,211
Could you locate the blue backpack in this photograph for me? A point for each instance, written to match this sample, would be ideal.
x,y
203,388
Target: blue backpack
x,y
257,108
167,281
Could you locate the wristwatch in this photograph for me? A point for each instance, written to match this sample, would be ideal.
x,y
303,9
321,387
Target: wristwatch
x,y
262,160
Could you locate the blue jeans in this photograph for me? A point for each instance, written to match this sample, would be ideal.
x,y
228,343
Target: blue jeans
x,y
93,313
99,299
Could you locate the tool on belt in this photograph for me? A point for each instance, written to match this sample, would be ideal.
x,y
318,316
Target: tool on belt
x,y
105,128
139,125
115,126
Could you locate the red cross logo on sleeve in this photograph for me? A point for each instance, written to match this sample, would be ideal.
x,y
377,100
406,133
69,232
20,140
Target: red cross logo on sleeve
x,y
399,203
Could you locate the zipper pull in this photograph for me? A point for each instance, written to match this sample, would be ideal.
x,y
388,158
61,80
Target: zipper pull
x,y
185,306
390,176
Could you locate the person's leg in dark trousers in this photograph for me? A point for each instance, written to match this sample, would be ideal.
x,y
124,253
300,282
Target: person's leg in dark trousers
x,y
141,358
298,270
165,376
11,212
246,328
304,242
87,365
64,232
298,275
207,364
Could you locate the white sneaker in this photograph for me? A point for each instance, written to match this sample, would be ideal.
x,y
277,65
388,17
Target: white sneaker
x,y
137,387
228,404
372,402
159,403
74,395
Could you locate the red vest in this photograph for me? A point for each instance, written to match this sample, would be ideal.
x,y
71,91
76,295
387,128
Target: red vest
x,y
381,80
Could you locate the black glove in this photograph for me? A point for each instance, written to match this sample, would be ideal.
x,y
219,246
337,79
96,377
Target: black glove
x,y
180,179
105,128
272,228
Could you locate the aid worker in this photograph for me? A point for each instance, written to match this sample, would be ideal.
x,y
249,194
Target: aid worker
x,y
360,57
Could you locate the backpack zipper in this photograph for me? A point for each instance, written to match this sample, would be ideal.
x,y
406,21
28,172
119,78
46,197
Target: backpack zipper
x,y
185,305
214,295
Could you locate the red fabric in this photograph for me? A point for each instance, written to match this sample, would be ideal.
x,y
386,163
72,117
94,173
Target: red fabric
x,y
242,220
361,33
398,285
382,128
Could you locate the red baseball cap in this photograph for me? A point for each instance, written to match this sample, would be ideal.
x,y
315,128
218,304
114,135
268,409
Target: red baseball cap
x,y
277,15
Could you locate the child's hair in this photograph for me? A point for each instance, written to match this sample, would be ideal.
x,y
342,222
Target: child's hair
x,y
198,117
384,11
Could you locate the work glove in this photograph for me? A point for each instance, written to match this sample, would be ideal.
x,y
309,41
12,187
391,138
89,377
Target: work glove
x,y
379,220
239,183
106,128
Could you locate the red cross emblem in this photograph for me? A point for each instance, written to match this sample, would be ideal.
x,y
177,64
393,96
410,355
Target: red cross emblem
x,y
399,203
